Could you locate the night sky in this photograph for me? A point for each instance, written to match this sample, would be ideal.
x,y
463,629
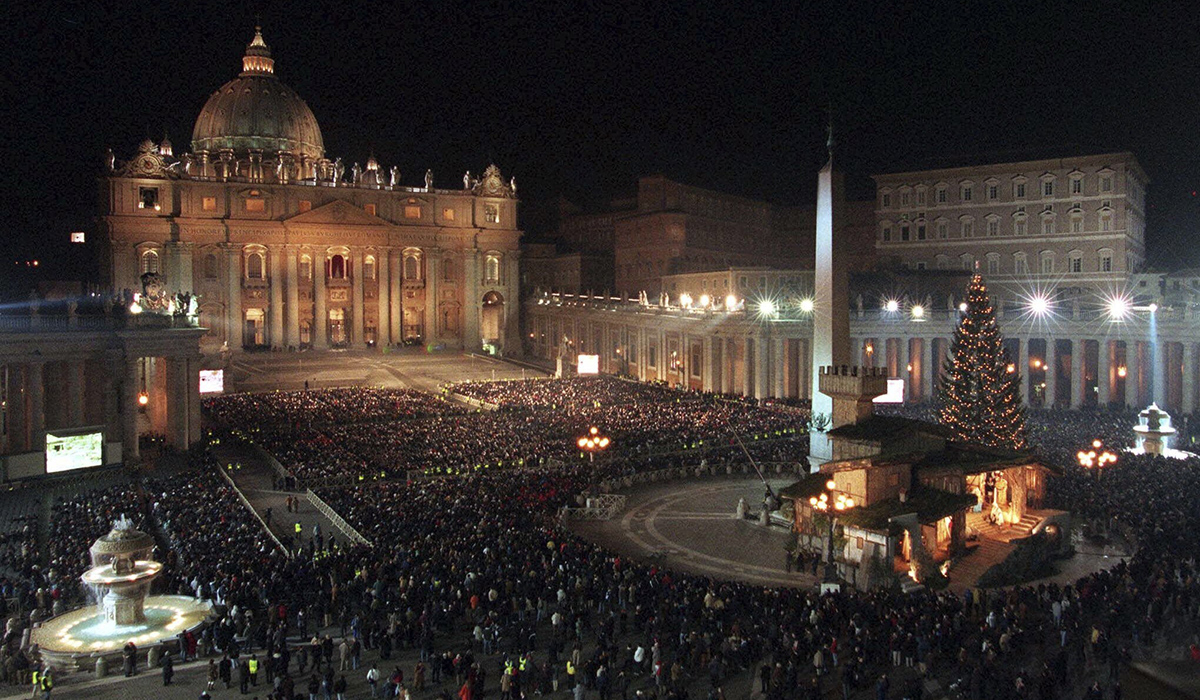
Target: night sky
x,y
579,98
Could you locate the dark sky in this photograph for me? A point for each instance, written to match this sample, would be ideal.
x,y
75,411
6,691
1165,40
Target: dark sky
x,y
579,98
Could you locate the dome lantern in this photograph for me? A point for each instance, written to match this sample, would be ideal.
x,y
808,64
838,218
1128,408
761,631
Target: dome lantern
x,y
257,60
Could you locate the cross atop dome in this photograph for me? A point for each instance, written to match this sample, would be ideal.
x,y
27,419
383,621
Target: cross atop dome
x,y
257,60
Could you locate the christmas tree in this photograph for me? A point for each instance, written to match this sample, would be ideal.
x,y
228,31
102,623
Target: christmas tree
x,y
980,388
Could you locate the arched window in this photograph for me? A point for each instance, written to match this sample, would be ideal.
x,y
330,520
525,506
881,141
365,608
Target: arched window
x,y
150,261
1047,264
306,266
210,266
254,266
337,267
966,261
369,267
1020,263
993,263
1106,259
491,269
412,266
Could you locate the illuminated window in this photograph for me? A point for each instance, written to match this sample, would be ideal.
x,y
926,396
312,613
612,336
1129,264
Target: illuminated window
x,y
305,205
150,261
369,208
492,269
412,266
337,267
412,211
369,267
256,205
254,266
491,213
448,214
306,266
208,204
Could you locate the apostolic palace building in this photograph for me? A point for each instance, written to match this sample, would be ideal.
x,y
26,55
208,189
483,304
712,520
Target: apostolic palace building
x,y
288,247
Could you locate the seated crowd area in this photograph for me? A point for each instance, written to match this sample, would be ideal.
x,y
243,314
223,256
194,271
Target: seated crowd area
x,y
473,574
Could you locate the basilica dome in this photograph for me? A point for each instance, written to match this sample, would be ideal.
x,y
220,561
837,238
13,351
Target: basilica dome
x,y
256,111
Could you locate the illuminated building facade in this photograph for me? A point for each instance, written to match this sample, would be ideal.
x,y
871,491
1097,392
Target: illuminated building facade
x,y
289,248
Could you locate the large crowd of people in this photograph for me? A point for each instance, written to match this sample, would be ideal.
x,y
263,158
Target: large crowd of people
x,y
476,583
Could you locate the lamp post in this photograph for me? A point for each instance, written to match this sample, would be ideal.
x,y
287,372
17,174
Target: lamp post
x,y
592,443
831,502
1096,458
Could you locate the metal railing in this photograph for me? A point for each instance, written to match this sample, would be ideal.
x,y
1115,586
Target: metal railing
x,y
246,503
602,507
338,521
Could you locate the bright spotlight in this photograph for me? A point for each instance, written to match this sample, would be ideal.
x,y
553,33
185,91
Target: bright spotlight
x,y
705,300
1039,305
891,306
766,307
918,311
1153,307
806,305
1118,308
730,302
963,307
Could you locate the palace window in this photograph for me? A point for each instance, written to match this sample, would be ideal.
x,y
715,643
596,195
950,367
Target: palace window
x,y
967,228
943,230
1047,225
491,213
1047,263
967,193
1075,262
887,200
1106,183
1077,185
887,234
966,261
1106,259
920,232
993,227
1048,188
1106,221
993,193
941,195
1019,226
1020,264
1077,223
448,269
993,264
1019,190
904,235
921,196
903,199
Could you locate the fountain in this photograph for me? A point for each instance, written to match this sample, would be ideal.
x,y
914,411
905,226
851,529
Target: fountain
x,y
121,574
1153,431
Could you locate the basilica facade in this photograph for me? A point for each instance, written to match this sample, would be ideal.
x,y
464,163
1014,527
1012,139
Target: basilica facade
x,y
288,248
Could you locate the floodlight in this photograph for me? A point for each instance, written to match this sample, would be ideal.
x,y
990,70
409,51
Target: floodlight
x,y
1117,308
766,307
806,305
891,306
918,311
1039,305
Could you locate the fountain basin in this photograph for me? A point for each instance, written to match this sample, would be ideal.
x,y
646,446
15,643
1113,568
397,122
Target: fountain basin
x,y
73,640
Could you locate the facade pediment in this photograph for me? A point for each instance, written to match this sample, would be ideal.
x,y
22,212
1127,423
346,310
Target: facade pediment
x,y
337,212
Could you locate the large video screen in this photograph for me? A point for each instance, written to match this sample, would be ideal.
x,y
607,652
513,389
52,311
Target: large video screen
x,y
895,392
212,381
588,364
65,453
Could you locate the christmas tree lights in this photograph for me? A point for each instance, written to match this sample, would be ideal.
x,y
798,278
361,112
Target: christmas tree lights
x,y
980,392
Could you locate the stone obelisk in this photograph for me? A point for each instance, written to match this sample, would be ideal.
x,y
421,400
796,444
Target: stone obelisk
x,y
831,305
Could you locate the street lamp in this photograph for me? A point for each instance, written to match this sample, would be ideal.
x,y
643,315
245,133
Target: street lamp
x,y
1096,458
831,502
593,442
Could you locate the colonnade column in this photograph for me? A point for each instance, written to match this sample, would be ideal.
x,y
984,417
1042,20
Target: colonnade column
x,y
1051,364
233,299
928,371
192,381
76,392
1023,368
1133,394
383,297
902,367
1159,366
129,410
1191,354
292,296
761,350
749,348
727,371
320,324
1103,373
395,301
1077,373
359,313
776,367
804,360
470,337
275,272
37,406
176,396
709,365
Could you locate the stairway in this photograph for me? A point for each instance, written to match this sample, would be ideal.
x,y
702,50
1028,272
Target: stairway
x,y
965,571
1010,532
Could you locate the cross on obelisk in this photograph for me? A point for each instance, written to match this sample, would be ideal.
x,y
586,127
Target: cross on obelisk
x,y
831,305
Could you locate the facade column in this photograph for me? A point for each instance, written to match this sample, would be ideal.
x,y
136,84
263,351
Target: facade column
x,y
902,360
776,367
176,400
320,324
17,427
129,410
804,359
710,366
726,366
383,325
395,300
179,266
1051,372
1103,373
1191,357
749,349
76,392
1133,395
359,314
292,297
37,407
1077,367
233,298
1023,368
275,279
472,305
433,273
510,332
192,396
